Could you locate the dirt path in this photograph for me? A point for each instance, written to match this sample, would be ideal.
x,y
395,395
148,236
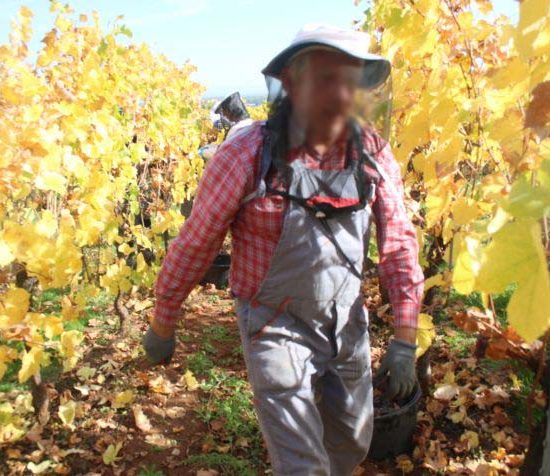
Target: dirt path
x,y
195,415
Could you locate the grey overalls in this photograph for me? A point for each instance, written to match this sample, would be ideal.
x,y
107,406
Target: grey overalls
x,y
305,334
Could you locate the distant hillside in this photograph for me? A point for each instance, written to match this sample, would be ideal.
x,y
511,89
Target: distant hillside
x,y
253,99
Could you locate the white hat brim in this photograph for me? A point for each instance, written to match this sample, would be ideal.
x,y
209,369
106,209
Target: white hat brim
x,y
376,69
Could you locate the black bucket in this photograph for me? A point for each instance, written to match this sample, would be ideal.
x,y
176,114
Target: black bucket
x,y
393,431
218,274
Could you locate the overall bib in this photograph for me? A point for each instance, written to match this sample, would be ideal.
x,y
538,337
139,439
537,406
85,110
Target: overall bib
x,y
305,333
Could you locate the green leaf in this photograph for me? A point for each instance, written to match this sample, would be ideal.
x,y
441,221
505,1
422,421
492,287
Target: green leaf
x,y
110,454
102,49
528,201
124,30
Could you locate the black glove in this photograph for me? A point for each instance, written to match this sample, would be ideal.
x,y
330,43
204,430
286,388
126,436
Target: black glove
x,y
399,362
158,349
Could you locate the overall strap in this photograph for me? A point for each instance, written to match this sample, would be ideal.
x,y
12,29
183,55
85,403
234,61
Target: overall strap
x,y
330,234
265,165
266,159
366,157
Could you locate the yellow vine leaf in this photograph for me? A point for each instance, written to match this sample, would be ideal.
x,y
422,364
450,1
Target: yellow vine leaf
x,y
69,312
123,398
47,225
141,264
30,363
437,203
190,381
464,211
13,307
53,326
499,219
12,426
513,256
70,340
7,354
425,334
529,307
67,413
49,180
436,280
467,264
533,29
516,256
26,12
6,256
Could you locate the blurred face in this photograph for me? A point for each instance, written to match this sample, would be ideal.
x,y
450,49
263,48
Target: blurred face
x,y
321,87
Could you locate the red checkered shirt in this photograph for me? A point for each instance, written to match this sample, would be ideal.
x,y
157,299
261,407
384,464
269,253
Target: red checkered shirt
x,y
256,227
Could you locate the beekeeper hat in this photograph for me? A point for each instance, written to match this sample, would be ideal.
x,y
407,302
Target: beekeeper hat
x,y
356,44
232,104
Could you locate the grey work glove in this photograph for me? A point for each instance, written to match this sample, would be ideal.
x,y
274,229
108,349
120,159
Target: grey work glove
x,y
399,363
158,349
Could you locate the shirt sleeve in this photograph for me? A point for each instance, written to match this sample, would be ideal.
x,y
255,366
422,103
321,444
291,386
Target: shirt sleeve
x,y
399,270
190,254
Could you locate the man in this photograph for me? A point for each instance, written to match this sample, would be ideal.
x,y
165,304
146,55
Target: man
x,y
232,116
298,194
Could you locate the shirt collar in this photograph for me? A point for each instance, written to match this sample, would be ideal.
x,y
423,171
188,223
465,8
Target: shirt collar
x,y
297,139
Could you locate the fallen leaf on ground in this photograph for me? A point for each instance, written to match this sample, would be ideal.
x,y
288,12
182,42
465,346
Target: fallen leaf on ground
x,y
123,398
499,436
67,412
159,440
161,385
175,412
39,468
404,464
142,422
190,381
110,455
446,392
471,438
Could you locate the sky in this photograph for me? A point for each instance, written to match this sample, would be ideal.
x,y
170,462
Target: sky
x,y
230,41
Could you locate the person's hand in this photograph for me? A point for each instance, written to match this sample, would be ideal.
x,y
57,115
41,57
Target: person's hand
x,y
399,363
159,343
